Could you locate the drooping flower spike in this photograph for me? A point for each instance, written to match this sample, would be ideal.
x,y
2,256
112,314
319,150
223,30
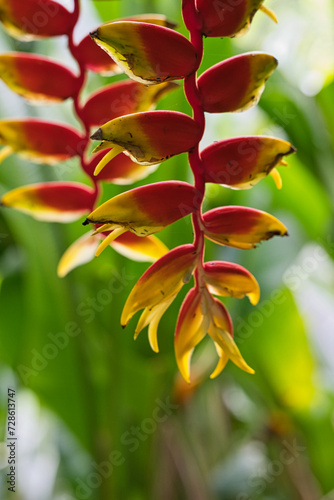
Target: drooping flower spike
x,y
146,52
235,84
148,138
157,288
241,162
134,140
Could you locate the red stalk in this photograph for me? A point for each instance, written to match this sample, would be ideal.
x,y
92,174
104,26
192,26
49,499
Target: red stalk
x,y
76,99
193,24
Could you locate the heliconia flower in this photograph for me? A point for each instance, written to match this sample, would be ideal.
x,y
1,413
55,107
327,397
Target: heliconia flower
x,y
80,252
147,249
39,140
229,279
33,19
235,84
148,138
201,314
221,18
51,201
157,288
144,210
95,59
122,98
241,227
37,78
146,52
120,170
241,162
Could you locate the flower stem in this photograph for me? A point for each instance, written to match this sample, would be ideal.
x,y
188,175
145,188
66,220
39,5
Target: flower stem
x,y
78,108
191,20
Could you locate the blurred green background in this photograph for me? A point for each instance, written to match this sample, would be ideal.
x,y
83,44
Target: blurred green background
x,y
103,417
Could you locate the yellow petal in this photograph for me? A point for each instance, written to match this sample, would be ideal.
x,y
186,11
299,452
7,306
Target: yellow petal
x,y
161,281
228,279
277,178
223,359
191,328
105,228
269,13
116,232
116,150
146,249
152,318
5,152
80,252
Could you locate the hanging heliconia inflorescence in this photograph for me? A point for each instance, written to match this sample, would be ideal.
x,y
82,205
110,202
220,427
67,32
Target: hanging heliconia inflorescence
x,y
133,140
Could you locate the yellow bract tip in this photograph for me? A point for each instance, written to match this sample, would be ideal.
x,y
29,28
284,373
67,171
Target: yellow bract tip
x,y
254,297
269,13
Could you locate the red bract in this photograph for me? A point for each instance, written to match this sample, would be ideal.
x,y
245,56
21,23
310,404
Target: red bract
x,y
41,141
33,19
144,210
51,201
242,162
120,99
241,227
120,170
147,209
146,52
95,59
235,84
157,288
37,78
225,18
148,138
227,278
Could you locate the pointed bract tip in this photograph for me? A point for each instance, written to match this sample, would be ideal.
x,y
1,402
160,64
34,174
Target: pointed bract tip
x,y
97,136
86,222
93,34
